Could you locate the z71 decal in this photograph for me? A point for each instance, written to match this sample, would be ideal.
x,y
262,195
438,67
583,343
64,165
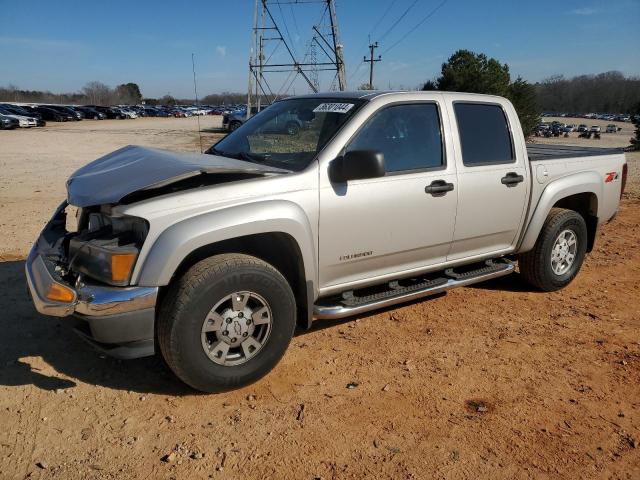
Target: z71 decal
x,y
610,177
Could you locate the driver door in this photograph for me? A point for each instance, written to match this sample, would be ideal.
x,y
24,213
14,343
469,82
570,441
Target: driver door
x,y
380,228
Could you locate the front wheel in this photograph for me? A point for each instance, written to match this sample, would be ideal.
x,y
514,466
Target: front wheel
x,y
558,253
226,322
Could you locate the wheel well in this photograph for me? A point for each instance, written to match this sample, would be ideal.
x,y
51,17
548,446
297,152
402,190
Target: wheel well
x,y
276,248
586,204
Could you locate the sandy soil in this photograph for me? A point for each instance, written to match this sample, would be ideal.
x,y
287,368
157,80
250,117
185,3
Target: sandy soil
x,y
489,382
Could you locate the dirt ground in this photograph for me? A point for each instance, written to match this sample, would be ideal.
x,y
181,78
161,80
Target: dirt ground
x,y
490,382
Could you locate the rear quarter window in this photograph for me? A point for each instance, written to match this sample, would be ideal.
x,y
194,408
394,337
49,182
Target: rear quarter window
x,y
484,134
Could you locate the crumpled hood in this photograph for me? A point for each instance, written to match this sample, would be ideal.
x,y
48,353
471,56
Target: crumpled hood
x,y
130,169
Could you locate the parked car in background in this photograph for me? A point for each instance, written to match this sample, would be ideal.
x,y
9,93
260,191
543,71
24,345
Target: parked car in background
x,y
18,110
233,120
23,121
71,115
109,112
583,128
149,111
570,128
8,123
128,112
50,114
91,113
613,128
595,129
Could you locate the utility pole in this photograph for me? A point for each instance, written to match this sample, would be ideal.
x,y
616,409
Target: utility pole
x,y
338,48
371,61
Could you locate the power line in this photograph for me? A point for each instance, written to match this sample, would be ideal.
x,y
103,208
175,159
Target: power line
x,y
418,25
286,29
266,30
384,15
295,22
404,14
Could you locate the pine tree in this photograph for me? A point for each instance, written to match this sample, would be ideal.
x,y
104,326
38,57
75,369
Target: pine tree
x,y
523,96
467,71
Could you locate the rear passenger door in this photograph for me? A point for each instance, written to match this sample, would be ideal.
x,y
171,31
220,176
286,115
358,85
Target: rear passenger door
x,y
493,182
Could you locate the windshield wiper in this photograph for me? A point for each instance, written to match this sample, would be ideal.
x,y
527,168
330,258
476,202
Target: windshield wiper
x,y
248,157
251,157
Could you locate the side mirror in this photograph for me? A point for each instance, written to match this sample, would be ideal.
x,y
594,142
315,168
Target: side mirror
x,y
356,165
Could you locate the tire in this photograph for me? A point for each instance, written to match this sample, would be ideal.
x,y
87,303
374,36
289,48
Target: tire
x,y
546,271
195,356
293,128
234,126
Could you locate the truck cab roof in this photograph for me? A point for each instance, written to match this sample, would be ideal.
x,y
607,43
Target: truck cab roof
x,y
371,94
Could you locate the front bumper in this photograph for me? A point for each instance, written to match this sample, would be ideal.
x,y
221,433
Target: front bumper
x,y
117,320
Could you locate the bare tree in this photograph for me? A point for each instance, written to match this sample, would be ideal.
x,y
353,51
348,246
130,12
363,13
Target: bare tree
x,y
98,93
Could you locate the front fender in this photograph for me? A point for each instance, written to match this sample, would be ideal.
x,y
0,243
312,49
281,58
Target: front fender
x,y
583,182
180,239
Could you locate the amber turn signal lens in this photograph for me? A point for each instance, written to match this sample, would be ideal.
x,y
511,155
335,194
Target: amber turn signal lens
x,y
60,293
121,265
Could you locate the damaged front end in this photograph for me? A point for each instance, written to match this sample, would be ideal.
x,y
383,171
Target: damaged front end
x,y
85,275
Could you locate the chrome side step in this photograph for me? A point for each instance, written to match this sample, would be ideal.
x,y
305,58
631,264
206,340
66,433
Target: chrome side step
x,y
347,308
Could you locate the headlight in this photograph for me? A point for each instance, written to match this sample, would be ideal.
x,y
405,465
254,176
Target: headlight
x,y
107,248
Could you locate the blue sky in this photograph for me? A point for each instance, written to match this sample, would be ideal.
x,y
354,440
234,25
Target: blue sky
x,y
62,45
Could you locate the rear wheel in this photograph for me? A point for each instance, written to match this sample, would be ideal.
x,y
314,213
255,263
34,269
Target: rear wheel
x,y
234,126
226,322
293,128
558,253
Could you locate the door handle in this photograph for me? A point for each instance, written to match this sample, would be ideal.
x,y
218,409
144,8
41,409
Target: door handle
x,y
438,188
511,179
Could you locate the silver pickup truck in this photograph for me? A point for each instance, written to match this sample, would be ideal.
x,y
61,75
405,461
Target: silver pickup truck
x,y
214,259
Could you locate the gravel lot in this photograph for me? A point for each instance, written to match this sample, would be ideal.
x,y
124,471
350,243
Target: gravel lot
x,y
493,382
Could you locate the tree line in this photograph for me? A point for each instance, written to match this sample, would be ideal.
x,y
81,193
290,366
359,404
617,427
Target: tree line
x,y
608,92
93,93
98,93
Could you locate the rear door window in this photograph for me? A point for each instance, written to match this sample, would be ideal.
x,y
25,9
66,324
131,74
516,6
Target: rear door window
x,y
484,134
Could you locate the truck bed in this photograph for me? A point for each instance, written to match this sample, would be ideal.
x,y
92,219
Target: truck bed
x,y
538,152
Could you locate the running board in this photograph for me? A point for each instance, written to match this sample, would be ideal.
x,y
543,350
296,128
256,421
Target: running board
x,y
351,304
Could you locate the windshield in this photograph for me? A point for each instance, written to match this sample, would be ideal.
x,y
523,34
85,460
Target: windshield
x,y
289,133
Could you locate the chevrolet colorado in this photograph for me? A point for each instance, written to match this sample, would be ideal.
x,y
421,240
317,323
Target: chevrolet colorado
x,y
384,197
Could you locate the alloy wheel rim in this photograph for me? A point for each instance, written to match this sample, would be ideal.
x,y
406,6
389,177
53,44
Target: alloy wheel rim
x,y
563,252
236,328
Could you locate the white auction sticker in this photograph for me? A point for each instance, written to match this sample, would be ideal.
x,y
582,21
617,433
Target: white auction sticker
x,y
333,108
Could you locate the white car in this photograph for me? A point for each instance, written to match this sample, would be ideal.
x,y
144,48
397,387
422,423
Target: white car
x,y
596,129
129,113
24,122
201,111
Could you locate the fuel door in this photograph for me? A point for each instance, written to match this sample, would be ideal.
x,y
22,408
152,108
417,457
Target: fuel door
x,y
542,174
